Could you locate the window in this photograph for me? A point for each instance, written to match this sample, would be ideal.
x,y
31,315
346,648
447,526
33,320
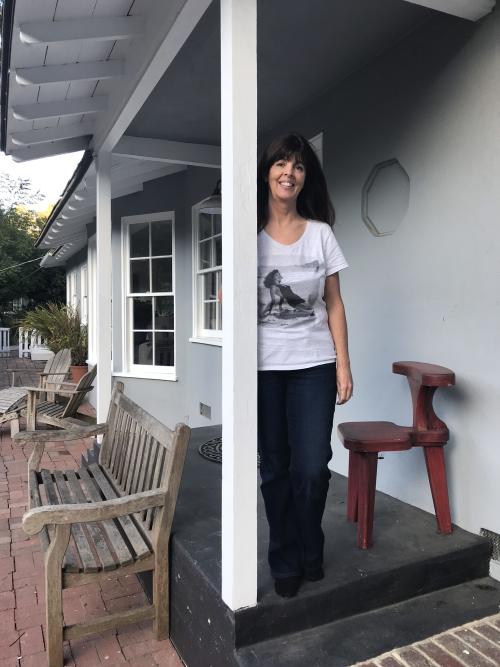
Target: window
x,y
149,294
71,289
207,271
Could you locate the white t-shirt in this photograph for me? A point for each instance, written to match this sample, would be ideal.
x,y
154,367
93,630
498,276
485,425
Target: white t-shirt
x,y
293,321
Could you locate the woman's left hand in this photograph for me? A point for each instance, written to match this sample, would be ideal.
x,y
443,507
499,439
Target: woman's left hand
x,y
344,384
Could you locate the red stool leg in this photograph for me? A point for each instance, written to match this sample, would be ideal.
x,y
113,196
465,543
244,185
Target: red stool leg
x,y
352,486
367,479
436,471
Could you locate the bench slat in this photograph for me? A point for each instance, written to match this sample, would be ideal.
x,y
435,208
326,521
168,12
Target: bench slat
x,y
134,479
94,528
70,564
156,482
153,456
136,539
77,529
123,554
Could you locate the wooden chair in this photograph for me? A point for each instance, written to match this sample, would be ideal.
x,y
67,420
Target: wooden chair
x,y
62,412
55,371
14,399
365,441
110,518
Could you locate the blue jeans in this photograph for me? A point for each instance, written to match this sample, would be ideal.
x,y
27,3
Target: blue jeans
x,y
295,422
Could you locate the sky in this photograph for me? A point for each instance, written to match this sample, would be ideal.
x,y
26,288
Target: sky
x,y
49,175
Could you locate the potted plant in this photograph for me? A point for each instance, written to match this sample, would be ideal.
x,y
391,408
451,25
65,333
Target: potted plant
x,y
61,327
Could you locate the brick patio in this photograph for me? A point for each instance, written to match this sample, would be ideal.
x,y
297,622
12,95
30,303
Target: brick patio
x,y
22,606
473,645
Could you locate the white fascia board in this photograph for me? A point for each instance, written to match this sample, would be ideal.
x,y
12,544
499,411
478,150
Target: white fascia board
x,y
76,107
173,152
167,29
39,76
47,134
47,150
473,10
92,28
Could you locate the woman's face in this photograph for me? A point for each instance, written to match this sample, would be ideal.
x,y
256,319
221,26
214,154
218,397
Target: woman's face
x,y
286,179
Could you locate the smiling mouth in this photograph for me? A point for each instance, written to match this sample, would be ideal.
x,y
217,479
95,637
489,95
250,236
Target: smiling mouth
x,y
286,184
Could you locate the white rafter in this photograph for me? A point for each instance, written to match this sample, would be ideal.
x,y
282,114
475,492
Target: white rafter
x,y
173,152
168,29
47,134
47,150
473,10
68,30
38,76
76,107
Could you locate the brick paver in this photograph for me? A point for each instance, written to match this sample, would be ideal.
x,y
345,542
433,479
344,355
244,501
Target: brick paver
x,y
22,595
475,644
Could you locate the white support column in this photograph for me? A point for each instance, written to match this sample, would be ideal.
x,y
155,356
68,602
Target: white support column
x,y
103,265
239,288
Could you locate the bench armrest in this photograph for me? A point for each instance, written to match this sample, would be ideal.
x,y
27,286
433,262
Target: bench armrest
x,y
76,433
63,392
34,520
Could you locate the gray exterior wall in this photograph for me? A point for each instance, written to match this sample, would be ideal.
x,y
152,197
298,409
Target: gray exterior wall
x,y
198,366
428,292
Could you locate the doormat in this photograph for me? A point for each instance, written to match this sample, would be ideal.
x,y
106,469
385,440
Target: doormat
x,y
212,450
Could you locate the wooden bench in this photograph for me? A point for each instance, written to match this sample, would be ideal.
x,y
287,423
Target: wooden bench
x,y
365,440
112,517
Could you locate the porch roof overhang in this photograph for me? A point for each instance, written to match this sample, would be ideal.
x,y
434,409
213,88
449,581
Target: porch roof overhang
x,y
75,74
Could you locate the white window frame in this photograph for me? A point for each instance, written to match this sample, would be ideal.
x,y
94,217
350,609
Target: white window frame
x,y
92,299
201,335
84,301
129,368
71,289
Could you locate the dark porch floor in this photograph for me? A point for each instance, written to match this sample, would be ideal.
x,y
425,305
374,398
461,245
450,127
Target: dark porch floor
x,y
410,564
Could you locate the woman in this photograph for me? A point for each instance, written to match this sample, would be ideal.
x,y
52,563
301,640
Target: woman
x,y
303,361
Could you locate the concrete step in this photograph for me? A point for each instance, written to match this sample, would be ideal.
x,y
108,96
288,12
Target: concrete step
x,y
363,636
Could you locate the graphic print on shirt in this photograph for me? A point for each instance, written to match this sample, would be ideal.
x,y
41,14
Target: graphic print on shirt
x,y
288,294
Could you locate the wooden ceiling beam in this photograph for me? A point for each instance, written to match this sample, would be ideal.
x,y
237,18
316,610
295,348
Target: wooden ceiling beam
x,y
69,30
93,71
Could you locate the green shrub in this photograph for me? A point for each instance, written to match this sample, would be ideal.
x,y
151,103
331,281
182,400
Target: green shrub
x,y
61,327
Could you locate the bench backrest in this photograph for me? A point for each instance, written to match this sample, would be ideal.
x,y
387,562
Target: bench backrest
x,y
141,454
59,363
83,387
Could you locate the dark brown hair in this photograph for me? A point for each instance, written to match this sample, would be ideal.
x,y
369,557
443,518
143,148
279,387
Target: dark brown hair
x,y
313,202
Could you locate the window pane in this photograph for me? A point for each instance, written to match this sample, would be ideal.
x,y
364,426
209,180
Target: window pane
x,y
143,313
164,349
218,251
162,275
139,275
143,348
217,223
210,315
161,238
210,291
164,312
205,228
205,255
139,240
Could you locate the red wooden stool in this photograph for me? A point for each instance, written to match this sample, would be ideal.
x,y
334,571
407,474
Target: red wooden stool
x,y
365,440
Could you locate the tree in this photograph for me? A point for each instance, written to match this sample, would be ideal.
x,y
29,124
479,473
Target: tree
x,y
20,273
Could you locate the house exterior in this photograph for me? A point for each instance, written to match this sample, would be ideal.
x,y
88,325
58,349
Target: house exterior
x,y
400,99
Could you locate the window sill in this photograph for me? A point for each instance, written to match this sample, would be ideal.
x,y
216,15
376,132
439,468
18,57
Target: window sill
x,y
170,377
217,342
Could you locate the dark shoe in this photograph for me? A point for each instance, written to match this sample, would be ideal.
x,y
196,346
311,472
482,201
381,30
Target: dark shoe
x,y
287,587
314,575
